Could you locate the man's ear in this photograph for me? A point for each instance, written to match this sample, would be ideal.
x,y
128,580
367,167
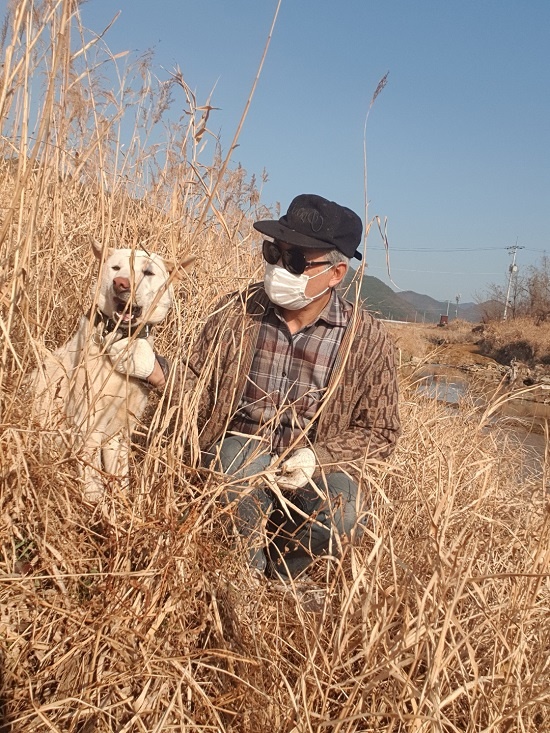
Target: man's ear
x,y
98,248
338,275
180,267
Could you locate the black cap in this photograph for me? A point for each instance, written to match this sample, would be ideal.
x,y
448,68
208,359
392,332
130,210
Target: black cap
x,y
314,222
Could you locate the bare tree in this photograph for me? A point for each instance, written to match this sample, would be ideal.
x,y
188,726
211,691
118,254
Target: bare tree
x,y
538,290
493,300
491,303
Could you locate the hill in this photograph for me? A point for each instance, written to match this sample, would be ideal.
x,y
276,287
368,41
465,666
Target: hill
x,y
429,309
408,305
379,298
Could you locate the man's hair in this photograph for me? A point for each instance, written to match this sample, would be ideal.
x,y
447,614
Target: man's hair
x,y
334,256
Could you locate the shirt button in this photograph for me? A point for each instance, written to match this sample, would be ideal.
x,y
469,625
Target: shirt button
x,y
284,374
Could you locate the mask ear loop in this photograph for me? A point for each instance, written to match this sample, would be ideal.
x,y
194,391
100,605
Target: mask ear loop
x,y
310,277
327,289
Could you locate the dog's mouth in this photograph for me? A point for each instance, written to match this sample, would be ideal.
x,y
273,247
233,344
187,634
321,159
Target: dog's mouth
x,y
126,312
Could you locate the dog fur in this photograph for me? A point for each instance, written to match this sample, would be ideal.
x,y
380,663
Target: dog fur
x,y
77,388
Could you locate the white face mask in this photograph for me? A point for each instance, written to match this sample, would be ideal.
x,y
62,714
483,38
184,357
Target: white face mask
x,y
288,290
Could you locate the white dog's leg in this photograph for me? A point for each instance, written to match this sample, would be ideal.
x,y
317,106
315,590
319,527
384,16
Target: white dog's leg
x,y
111,457
116,458
94,488
90,466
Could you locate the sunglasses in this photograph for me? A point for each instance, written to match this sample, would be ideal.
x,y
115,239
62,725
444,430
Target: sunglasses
x,y
293,260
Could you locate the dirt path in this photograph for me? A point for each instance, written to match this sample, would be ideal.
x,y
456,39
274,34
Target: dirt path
x,y
463,355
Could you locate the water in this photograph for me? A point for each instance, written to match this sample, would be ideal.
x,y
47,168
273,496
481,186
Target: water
x,y
443,384
523,419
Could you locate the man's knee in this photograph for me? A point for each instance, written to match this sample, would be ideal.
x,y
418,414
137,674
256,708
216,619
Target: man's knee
x,y
347,505
237,455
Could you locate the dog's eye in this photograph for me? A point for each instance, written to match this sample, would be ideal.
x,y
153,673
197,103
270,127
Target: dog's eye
x,y
115,267
148,273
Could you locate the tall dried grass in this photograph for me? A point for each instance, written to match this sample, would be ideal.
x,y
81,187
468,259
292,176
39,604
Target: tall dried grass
x,y
141,618
524,339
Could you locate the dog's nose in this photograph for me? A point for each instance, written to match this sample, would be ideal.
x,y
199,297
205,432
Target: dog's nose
x,y
121,284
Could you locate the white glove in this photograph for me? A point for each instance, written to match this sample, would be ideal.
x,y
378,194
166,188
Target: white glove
x,y
135,359
297,470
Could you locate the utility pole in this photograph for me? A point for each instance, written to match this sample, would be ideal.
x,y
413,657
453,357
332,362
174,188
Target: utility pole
x,y
512,272
457,298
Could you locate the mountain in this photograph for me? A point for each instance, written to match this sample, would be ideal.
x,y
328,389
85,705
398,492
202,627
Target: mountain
x,y
378,297
428,309
407,305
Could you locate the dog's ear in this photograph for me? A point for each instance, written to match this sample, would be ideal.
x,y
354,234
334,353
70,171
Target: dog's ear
x,y
98,248
185,264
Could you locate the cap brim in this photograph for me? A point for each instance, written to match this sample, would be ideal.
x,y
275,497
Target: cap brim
x,y
276,230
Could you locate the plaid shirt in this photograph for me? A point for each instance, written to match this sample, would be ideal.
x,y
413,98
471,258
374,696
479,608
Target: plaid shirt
x,y
289,374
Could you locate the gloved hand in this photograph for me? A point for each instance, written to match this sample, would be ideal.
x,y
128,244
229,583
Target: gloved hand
x,y
297,470
134,358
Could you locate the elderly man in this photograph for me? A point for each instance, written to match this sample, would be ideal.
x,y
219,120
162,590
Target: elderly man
x,y
301,392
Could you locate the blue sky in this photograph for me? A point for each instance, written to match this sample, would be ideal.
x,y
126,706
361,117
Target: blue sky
x,y
458,142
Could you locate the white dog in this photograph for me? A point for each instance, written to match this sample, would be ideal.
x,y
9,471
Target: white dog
x,y
85,387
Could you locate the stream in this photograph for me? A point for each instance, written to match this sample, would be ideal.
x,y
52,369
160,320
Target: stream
x,y
524,419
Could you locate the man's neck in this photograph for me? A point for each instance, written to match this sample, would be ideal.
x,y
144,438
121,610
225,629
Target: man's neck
x,y
296,320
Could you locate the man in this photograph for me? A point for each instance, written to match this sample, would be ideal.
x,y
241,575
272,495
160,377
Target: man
x,y
301,392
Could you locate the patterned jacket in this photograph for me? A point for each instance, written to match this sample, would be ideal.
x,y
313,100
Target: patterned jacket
x,y
358,418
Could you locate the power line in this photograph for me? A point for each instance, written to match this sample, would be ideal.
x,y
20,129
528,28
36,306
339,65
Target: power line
x,y
458,249
431,249
430,272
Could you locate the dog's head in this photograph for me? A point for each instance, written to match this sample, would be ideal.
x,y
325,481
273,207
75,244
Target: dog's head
x,y
133,286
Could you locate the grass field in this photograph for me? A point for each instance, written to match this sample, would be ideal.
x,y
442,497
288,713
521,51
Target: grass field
x,y
137,616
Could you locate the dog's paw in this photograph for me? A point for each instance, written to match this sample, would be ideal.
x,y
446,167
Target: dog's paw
x,y
135,358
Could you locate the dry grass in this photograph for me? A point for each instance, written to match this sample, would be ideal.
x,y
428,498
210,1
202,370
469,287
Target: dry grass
x,y
419,340
412,340
523,339
139,617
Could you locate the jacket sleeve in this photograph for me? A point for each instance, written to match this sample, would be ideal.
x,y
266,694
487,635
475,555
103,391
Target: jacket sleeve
x,y
216,366
362,417
204,356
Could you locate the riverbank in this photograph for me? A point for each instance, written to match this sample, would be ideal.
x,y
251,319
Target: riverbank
x,y
516,353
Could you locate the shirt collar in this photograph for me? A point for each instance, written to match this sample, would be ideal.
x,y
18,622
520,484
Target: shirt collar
x,y
335,313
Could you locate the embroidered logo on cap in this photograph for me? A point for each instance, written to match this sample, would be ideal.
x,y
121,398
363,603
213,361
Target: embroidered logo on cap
x,y
309,216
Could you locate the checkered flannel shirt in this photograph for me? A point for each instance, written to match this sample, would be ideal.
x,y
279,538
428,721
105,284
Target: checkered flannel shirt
x,y
289,374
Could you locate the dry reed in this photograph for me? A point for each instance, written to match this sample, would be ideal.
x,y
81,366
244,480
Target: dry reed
x,y
139,617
